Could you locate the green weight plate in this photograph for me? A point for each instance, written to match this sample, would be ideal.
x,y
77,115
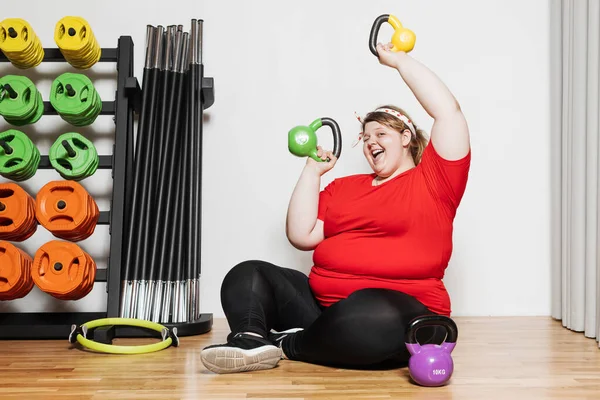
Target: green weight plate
x,y
39,109
90,115
19,158
71,94
74,156
34,114
75,99
20,100
28,170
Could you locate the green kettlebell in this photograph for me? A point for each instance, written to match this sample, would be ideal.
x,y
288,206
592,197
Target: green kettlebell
x,y
302,140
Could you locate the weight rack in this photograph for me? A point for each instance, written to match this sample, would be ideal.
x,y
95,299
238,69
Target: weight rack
x,y
58,325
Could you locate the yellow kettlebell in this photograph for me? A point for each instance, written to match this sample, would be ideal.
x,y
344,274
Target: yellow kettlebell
x,y
403,38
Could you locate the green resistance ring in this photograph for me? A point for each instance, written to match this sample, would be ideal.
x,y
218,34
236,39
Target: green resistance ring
x,y
79,334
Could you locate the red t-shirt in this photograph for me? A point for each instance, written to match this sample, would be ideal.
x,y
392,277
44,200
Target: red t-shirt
x,y
397,235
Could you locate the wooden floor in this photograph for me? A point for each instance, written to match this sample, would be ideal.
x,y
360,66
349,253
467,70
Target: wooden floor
x,y
496,358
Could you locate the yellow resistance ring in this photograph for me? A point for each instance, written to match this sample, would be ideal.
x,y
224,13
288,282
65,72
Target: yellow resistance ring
x,y
78,334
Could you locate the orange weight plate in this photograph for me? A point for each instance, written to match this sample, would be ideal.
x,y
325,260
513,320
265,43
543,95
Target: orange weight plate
x,y
27,262
15,277
17,213
62,269
88,285
88,227
67,210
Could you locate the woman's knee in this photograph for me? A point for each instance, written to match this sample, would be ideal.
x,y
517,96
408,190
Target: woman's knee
x,y
395,310
387,313
248,276
240,270
240,275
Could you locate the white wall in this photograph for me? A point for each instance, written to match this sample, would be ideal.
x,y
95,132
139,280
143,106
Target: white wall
x,y
280,64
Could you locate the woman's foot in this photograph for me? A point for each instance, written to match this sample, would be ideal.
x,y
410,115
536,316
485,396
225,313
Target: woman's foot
x,y
244,352
277,338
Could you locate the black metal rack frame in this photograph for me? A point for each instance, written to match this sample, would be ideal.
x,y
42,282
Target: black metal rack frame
x,y
57,325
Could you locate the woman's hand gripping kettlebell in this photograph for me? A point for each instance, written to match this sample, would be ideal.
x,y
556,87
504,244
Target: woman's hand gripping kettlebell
x,y
329,160
387,57
402,41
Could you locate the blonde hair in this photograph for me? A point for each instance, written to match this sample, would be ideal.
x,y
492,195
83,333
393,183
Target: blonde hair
x,y
417,143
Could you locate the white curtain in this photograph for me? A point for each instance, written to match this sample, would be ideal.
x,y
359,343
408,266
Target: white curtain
x,y
575,44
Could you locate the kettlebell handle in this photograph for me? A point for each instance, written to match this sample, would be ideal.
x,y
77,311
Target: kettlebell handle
x,y
431,320
337,135
400,36
382,19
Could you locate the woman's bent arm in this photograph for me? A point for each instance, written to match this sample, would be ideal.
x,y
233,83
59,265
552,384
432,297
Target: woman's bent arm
x,y
303,229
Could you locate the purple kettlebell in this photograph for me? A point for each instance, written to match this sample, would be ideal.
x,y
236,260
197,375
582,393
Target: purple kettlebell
x,y
431,364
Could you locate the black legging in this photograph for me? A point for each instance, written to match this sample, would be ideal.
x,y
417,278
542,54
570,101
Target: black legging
x,y
366,329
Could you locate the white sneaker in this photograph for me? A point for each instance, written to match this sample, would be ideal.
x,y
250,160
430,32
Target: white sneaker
x,y
242,353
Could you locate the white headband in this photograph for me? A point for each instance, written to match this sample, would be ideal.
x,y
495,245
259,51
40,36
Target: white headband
x,y
396,114
402,117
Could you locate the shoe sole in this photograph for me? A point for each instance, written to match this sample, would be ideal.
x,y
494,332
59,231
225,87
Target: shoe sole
x,y
226,360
